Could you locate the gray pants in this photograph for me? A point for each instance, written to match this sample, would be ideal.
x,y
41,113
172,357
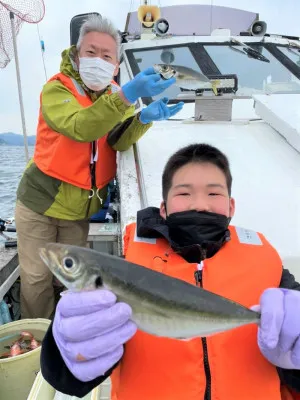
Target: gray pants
x,y
38,285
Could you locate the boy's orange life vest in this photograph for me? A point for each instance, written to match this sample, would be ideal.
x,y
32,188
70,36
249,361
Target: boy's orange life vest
x,y
155,368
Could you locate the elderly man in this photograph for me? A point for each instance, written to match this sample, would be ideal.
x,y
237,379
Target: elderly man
x,y
85,117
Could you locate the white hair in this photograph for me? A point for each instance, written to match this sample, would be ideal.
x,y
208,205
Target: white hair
x,y
96,23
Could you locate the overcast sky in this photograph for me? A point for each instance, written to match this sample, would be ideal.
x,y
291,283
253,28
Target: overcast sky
x,y
281,17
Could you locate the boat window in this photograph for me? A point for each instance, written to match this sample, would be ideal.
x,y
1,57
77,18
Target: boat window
x,y
254,76
214,61
179,55
292,53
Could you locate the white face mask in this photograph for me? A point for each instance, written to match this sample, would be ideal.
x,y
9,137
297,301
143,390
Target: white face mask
x,y
95,73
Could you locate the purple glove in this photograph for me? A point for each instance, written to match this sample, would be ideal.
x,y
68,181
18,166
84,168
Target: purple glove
x,y
90,329
279,333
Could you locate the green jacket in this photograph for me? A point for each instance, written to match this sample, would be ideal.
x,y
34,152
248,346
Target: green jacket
x,y
52,197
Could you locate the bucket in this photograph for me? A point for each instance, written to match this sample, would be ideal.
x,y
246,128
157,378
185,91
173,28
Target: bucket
x,y
41,390
18,373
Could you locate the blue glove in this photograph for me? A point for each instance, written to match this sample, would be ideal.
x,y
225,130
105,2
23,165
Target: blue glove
x,y
147,83
158,110
279,332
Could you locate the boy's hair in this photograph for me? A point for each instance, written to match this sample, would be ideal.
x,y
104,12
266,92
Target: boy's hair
x,y
96,23
195,153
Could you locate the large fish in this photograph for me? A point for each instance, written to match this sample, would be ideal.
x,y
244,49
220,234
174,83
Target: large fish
x,y
161,305
186,78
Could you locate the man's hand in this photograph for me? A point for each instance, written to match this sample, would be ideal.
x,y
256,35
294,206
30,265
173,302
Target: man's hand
x,y
147,83
279,333
158,110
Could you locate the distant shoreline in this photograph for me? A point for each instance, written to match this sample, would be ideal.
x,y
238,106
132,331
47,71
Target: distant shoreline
x,y
15,139
15,145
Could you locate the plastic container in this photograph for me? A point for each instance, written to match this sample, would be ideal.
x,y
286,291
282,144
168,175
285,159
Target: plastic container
x,y
41,390
18,373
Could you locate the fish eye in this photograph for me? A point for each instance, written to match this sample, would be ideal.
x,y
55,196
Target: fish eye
x,y
69,262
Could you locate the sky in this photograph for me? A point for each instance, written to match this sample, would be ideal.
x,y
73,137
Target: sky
x,y
281,17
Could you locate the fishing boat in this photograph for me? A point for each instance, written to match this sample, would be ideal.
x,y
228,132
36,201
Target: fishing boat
x,y
248,106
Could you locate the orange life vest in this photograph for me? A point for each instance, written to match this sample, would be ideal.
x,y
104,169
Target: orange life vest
x,y
154,368
68,160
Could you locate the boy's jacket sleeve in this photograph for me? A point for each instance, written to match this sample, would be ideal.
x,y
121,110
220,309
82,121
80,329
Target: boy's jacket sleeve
x,y
289,377
56,373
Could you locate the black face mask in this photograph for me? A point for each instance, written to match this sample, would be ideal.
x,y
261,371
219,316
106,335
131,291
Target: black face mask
x,y
197,235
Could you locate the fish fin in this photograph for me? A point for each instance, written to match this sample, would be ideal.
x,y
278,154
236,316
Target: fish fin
x,y
214,84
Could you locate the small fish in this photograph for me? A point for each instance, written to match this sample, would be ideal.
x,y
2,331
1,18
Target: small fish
x,y
26,333
186,78
34,344
15,349
161,305
24,344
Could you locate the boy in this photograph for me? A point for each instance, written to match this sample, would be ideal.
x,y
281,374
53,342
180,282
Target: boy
x,y
190,238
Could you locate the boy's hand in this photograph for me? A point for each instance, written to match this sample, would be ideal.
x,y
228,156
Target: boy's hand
x,y
90,329
279,333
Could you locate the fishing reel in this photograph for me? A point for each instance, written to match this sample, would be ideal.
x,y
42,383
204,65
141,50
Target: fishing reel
x,y
4,227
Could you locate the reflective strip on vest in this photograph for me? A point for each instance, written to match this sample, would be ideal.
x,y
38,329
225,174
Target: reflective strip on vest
x,y
139,239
